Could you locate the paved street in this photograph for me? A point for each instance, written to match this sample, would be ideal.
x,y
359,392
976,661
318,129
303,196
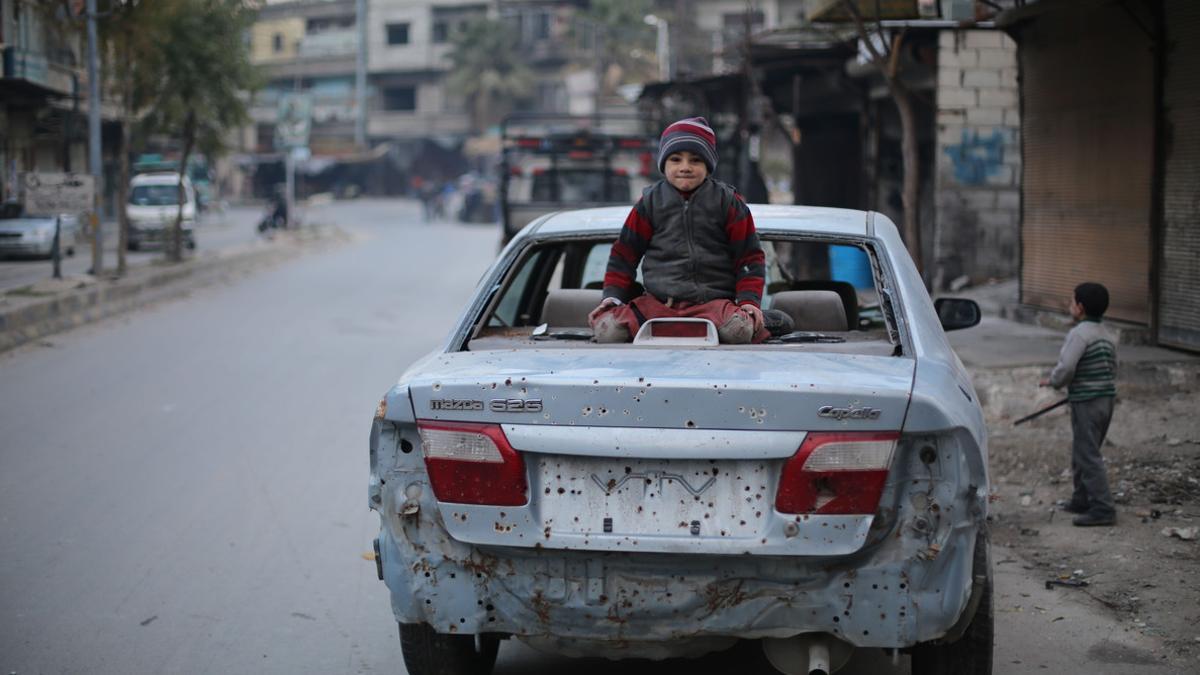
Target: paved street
x,y
183,490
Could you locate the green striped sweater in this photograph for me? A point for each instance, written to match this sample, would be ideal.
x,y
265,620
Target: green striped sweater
x,y
1087,365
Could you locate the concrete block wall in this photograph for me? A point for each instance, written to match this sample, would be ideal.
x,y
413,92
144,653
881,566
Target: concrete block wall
x,y
978,158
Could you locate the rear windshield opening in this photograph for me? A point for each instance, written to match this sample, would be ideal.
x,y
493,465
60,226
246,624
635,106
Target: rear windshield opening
x,y
828,288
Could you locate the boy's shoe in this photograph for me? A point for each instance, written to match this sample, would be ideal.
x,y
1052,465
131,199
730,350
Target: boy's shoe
x,y
778,322
1094,520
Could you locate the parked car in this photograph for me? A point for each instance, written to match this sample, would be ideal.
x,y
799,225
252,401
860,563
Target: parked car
x,y
820,493
24,234
154,205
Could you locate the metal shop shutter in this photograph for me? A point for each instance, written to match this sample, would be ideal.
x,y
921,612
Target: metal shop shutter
x,y
1088,138
1179,279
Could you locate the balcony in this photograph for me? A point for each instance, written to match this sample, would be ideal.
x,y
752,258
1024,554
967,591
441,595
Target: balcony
x,y
37,70
329,44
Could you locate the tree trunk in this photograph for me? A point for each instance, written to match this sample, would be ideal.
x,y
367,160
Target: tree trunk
x,y
123,150
911,194
189,139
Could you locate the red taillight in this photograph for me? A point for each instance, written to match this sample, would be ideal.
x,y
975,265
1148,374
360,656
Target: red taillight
x,y
837,473
471,463
515,171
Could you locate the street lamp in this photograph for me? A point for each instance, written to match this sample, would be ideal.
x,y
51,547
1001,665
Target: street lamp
x,y
662,47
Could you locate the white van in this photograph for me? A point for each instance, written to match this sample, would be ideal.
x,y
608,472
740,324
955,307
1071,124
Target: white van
x,y
153,206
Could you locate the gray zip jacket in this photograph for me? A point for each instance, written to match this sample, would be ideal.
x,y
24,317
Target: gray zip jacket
x,y
694,248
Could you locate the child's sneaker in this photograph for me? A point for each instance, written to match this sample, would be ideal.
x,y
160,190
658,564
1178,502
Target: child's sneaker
x,y
777,322
1091,519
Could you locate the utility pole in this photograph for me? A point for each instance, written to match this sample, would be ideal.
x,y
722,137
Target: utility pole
x,y
94,138
360,77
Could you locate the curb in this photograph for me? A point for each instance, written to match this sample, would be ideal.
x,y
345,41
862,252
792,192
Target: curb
x,y
97,299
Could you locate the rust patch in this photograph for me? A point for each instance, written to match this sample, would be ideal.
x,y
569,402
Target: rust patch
x,y
541,607
723,594
485,565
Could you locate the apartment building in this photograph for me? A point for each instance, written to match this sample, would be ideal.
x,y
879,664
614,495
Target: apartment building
x,y
306,47
41,126
408,42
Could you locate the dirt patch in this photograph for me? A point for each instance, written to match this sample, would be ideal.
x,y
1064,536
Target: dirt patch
x,y
1149,579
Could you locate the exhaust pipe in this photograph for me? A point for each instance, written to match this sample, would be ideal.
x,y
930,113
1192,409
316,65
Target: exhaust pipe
x,y
818,658
807,654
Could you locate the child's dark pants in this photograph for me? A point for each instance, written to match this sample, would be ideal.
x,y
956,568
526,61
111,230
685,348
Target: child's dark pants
x,y
1089,424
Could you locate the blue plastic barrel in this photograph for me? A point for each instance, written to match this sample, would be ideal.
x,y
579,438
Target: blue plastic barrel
x,y
850,263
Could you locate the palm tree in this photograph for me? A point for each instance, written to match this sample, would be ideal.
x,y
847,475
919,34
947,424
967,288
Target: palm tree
x,y
488,72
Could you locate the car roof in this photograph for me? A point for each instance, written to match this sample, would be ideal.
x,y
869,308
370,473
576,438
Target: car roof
x,y
774,217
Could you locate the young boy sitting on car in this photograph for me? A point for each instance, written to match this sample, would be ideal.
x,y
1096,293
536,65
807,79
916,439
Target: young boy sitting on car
x,y
695,238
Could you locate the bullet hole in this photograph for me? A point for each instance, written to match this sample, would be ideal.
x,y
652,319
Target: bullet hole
x,y
927,454
405,446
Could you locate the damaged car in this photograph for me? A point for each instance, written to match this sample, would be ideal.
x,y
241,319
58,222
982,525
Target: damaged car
x,y
819,493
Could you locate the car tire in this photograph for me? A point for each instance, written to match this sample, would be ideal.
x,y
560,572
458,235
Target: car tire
x,y
971,653
427,652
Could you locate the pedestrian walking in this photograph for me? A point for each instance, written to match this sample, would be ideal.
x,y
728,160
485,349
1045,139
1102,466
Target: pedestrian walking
x,y
1087,367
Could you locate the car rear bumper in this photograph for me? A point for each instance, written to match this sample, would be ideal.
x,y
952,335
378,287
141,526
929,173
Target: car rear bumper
x,y
896,593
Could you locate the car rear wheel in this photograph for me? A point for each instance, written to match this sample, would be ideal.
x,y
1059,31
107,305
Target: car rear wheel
x,y
427,652
970,654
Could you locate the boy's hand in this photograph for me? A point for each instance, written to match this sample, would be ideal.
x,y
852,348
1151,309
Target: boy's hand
x,y
1044,382
600,309
755,314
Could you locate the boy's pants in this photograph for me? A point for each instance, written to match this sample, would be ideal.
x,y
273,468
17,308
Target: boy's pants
x,y
1089,424
620,323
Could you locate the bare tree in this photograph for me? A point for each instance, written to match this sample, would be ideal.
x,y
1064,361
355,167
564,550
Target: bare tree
x,y
885,57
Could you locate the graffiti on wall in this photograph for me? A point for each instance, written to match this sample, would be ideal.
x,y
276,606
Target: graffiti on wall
x,y
977,157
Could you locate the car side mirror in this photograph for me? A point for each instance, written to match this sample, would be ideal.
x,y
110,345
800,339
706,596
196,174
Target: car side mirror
x,y
957,313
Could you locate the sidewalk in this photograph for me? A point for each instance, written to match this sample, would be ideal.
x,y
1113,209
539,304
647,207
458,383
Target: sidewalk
x,y
999,343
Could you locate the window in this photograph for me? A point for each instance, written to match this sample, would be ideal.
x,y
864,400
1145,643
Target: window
x,y
400,99
397,33
541,25
449,22
812,280
441,32
277,42
581,185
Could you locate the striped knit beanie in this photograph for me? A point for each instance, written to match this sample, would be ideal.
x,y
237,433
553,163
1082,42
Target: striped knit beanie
x,y
692,134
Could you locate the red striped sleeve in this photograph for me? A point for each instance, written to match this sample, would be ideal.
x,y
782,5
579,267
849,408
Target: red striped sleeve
x,y
627,253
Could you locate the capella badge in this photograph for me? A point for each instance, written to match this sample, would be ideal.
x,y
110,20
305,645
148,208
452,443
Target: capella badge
x,y
849,412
